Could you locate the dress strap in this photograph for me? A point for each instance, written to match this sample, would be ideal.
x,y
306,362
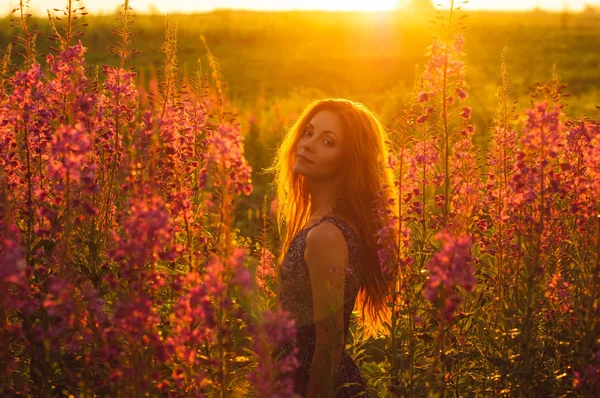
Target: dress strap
x,y
352,240
347,230
340,223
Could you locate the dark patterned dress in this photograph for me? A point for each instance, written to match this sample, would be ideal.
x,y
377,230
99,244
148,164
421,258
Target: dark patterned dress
x,y
296,297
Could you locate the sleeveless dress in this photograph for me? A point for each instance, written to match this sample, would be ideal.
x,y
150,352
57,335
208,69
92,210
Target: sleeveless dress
x,y
295,296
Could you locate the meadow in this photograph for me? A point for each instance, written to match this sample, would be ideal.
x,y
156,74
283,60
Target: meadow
x,y
291,58
139,235
273,64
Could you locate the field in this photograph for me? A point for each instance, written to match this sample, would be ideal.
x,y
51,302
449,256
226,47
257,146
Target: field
x,y
294,57
137,227
274,64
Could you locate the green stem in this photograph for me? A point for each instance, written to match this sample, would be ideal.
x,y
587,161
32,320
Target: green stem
x,y
442,357
222,367
30,215
115,158
532,270
445,118
590,335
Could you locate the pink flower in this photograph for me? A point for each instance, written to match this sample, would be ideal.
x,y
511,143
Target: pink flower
x,y
274,345
462,94
449,268
120,83
422,96
225,147
466,112
68,92
422,118
70,146
13,272
135,322
466,182
543,138
592,164
558,296
147,230
242,276
425,154
265,272
444,60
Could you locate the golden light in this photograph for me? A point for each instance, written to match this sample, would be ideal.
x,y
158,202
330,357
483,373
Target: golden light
x,y
355,5
187,6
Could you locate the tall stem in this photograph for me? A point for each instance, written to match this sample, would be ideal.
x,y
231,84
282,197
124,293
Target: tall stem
x,y
589,328
115,157
30,215
442,357
445,118
533,266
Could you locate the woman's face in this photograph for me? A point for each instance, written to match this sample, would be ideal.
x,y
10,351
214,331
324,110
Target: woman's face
x,y
319,150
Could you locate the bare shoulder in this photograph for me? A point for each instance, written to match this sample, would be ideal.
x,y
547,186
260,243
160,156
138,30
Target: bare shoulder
x,y
327,240
325,233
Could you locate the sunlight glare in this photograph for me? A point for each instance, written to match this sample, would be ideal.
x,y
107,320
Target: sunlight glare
x,y
357,5
168,6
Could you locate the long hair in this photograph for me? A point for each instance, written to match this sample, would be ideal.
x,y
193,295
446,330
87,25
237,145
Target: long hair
x,y
367,187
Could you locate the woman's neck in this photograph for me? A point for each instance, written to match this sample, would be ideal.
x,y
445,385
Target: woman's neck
x,y
322,195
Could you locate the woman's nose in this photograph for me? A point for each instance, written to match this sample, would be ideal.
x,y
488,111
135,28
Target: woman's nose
x,y
307,145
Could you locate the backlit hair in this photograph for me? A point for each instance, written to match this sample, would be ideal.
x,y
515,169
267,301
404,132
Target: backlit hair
x,y
365,174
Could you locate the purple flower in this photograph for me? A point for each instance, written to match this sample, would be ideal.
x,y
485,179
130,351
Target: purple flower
x,y
242,276
589,378
592,164
275,336
13,278
225,147
147,230
69,148
449,268
444,60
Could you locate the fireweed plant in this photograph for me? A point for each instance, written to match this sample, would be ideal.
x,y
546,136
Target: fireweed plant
x,y
495,258
122,272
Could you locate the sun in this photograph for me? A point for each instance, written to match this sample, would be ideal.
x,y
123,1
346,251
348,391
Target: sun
x,y
358,5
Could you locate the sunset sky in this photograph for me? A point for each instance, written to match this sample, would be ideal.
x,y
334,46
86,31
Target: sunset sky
x,y
164,6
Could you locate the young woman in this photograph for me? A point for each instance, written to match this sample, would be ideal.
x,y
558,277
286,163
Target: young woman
x,y
331,178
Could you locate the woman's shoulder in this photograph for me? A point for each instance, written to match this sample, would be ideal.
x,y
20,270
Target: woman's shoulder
x,y
325,233
334,229
345,224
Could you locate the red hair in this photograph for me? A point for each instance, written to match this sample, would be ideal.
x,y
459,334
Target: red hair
x,y
365,175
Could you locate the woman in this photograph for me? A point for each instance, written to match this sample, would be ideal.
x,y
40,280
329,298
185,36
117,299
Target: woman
x,y
331,178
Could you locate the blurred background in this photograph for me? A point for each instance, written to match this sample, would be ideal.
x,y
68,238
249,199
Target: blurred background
x,y
277,56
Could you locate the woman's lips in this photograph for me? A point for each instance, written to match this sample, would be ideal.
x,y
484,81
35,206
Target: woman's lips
x,y
304,158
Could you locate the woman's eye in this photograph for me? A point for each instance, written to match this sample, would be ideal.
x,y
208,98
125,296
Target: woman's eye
x,y
328,143
306,132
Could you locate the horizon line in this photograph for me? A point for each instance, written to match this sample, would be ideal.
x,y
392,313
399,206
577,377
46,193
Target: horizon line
x,y
149,12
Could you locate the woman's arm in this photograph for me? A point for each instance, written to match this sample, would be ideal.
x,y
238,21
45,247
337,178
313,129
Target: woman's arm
x,y
327,257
